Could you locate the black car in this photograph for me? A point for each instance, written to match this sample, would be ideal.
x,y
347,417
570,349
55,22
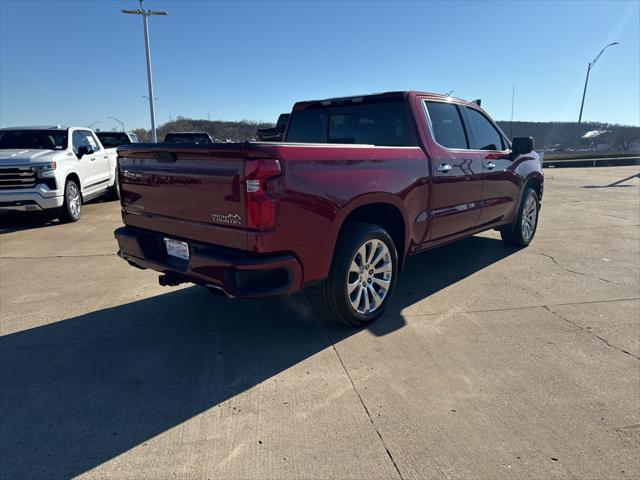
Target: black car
x,y
276,133
115,139
198,138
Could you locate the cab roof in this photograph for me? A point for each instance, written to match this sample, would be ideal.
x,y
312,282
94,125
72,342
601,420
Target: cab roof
x,y
375,97
37,127
45,127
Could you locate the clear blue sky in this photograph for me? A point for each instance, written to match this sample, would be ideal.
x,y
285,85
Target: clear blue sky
x,y
76,62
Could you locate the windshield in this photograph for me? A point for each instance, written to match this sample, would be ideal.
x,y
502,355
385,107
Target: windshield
x,y
113,139
196,138
33,139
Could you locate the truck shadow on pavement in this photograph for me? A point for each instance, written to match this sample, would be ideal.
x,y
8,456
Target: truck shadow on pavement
x,y
79,392
14,222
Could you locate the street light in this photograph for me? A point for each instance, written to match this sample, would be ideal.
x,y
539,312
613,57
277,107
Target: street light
x,y
145,14
589,67
121,123
92,124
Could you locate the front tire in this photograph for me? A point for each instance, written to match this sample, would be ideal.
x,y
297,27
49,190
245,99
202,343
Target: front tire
x,y
362,277
72,207
523,228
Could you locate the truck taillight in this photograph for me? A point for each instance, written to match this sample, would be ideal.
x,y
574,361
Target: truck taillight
x,y
261,208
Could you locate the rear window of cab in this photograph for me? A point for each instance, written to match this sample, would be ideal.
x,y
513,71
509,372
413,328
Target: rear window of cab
x,y
381,124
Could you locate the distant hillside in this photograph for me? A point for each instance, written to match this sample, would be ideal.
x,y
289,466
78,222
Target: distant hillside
x,y
565,135
547,135
220,130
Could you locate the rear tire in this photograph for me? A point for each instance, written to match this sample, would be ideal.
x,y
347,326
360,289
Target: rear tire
x,y
523,228
72,207
362,277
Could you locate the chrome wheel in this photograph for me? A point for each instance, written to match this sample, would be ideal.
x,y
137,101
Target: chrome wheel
x,y
529,218
369,276
73,200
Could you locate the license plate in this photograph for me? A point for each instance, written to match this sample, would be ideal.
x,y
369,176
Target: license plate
x,y
176,248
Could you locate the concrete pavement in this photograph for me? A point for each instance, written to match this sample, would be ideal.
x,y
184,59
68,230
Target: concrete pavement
x,y
492,362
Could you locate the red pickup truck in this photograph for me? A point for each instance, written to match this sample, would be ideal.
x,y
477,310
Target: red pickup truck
x,y
358,184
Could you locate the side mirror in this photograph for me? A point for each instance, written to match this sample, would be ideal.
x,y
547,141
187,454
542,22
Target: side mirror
x,y
522,145
83,150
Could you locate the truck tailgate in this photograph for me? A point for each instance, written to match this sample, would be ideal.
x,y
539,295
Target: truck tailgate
x,y
189,192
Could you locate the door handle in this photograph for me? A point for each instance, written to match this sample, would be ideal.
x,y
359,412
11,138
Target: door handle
x,y
444,167
490,165
93,159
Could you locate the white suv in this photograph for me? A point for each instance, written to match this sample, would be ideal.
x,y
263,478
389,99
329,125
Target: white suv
x,y
54,169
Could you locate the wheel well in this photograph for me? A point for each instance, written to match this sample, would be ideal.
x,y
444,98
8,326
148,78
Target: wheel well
x,y
384,215
536,184
75,178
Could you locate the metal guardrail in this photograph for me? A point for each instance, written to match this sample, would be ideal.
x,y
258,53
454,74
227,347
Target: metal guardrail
x,y
591,162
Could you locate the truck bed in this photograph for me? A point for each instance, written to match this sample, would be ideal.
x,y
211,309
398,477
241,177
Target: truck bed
x,y
198,193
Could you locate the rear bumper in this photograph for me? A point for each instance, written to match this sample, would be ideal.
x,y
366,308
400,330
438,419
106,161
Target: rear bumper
x,y
237,273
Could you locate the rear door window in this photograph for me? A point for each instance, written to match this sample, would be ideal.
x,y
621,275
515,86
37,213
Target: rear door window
x,y
484,135
446,125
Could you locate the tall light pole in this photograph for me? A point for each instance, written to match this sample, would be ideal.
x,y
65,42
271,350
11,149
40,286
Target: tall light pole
x,y
589,67
120,122
145,14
